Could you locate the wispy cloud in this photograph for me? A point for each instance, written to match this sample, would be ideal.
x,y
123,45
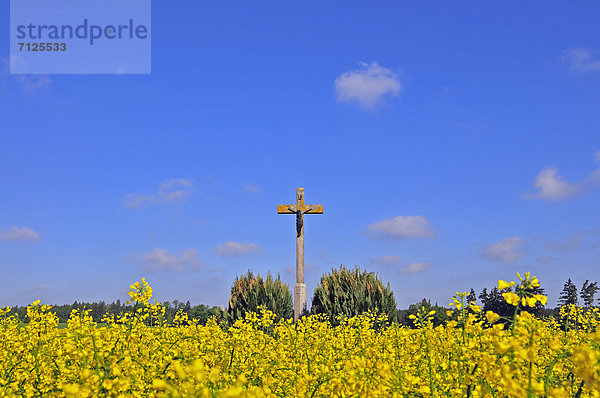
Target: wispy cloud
x,y
415,268
400,227
504,251
595,175
34,84
386,260
324,256
571,243
162,259
177,189
122,69
28,83
38,288
19,233
575,241
582,59
251,188
546,260
235,249
549,185
368,86
14,62
309,268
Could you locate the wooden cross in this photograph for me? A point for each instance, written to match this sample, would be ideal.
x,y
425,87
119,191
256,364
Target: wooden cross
x,y
299,209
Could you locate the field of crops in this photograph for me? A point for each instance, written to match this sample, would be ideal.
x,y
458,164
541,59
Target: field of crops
x,y
138,354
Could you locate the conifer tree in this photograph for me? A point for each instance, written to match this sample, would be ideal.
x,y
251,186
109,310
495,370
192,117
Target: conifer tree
x,y
568,294
587,293
471,297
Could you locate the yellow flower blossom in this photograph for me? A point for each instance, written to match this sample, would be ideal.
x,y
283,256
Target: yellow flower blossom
x,y
511,298
138,354
491,316
504,285
541,298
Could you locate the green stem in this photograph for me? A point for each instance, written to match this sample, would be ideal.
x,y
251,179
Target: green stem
x,y
428,362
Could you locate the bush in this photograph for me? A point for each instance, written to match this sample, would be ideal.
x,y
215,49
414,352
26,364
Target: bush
x,y
439,318
345,294
249,292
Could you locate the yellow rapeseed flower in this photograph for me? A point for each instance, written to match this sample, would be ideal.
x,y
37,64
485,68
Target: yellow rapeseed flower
x,y
491,316
541,298
504,285
138,354
511,298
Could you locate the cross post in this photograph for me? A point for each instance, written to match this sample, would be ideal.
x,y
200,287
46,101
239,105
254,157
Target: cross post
x,y
299,209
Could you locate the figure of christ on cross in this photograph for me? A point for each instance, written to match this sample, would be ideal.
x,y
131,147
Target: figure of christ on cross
x,y
299,209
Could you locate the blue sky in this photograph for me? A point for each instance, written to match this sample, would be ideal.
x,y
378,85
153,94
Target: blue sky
x,y
451,145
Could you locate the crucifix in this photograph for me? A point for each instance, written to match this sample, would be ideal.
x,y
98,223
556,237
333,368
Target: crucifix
x,y
299,209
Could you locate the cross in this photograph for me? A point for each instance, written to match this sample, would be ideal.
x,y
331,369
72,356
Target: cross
x,y
299,209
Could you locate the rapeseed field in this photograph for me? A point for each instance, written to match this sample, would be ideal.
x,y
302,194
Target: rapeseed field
x,y
138,354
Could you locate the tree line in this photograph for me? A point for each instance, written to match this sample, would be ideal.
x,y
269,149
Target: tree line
x,y
341,292
492,300
100,309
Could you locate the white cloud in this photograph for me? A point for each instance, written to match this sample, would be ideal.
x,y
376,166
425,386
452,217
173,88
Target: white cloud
x,y
235,249
19,233
582,59
504,251
161,259
400,227
387,260
367,86
549,185
168,191
416,268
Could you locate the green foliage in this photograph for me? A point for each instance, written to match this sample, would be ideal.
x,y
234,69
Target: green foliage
x,y
471,297
495,302
345,293
203,313
587,293
249,292
439,318
568,294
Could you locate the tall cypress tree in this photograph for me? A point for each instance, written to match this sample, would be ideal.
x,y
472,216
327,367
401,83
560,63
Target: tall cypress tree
x,y
249,292
348,293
